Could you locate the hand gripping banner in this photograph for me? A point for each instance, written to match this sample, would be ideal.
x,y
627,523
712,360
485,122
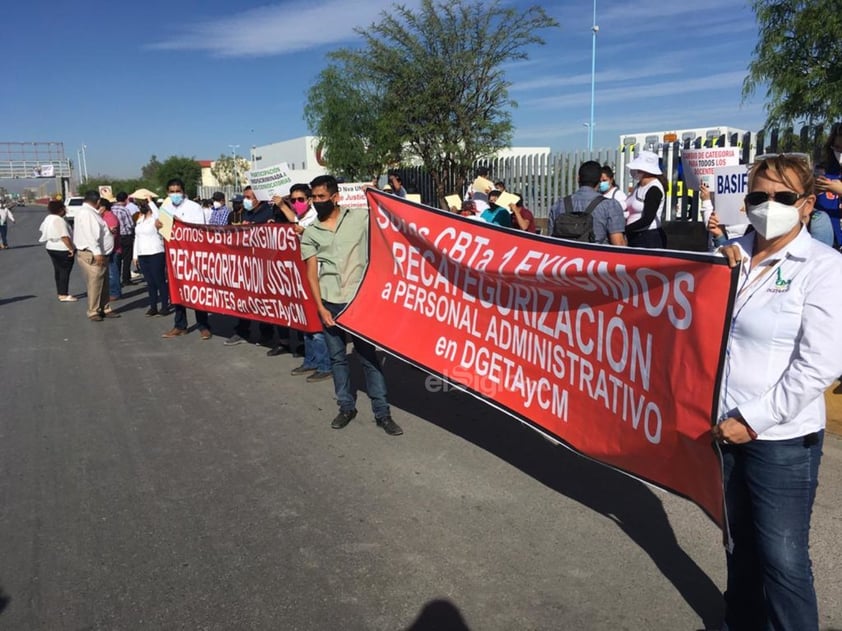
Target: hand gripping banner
x,y
255,272
615,352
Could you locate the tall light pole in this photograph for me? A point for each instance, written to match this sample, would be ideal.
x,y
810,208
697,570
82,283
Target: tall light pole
x,y
234,161
595,30
85,161
79,168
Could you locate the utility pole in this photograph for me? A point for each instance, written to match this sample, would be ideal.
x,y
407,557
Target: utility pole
x,y
595,30
85,161
236,173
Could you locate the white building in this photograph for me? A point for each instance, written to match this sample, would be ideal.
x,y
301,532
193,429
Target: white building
x,y
300,154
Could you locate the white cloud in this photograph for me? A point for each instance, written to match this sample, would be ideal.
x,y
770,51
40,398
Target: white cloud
x,y
277,29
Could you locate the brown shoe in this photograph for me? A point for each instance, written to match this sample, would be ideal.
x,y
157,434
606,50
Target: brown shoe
x,y
205,334
110,314
174,333
95,318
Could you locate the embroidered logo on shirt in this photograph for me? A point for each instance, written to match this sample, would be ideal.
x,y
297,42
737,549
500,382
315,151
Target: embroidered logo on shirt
x,y
780,285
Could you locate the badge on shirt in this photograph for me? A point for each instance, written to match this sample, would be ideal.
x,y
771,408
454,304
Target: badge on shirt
x,y
781,285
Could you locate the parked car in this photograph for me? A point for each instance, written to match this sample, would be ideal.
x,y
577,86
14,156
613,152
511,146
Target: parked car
x,y
72,205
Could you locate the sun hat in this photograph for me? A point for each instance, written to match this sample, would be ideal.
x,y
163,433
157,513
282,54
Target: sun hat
x,y
647,162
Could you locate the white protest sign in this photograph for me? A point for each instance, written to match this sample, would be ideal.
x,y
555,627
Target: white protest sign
x,y
729,189
270,181
352,194
699,164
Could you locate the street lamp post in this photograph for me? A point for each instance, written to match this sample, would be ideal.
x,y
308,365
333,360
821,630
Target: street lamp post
x,y
595,30
85,161
234,160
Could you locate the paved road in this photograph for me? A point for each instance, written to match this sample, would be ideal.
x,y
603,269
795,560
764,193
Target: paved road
x,y
178,484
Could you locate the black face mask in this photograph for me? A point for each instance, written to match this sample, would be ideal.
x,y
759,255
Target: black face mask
x,y
323,209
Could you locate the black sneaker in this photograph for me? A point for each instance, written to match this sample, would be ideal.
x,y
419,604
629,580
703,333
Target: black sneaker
x,y
301,370
280,349
319,375
233,340
389,426
342,419
151,312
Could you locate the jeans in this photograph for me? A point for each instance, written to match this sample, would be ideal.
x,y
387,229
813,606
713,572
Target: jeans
x,y
154,270
181,318
114,290
375,383
315,352
769,491
3,230
62,264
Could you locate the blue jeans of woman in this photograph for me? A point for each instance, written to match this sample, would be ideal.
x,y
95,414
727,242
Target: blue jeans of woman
x,y
769,491
375,382
3,231
154,270
315,352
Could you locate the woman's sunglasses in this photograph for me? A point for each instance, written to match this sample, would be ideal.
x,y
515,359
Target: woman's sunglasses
x,y
787,198
298,199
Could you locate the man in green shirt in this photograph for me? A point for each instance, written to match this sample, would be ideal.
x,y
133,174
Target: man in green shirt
x,y
335,250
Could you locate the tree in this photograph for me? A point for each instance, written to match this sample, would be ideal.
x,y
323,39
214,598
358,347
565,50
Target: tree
x,y
799,60
230,170
434,81
186,169
347,112
149,171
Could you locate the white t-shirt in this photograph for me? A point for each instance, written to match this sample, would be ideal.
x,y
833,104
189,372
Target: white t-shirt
x,y
634,204
147,240
53,228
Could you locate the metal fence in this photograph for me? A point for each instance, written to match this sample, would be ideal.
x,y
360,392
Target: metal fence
x,y
544,178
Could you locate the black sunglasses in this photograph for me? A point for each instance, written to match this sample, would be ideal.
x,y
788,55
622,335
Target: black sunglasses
x,y
298,199
782,197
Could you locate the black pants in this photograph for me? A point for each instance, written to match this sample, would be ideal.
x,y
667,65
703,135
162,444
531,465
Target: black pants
x,y
154,270
656,238
127,245
243,329
62,264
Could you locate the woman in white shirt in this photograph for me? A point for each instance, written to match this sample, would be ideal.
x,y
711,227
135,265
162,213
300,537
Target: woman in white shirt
x,y
784,350
59,243
646,203
5,217
150,258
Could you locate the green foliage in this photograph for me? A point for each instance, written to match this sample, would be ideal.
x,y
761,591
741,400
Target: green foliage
x,y
430,79
799,60
128,185
347,113
149,171
187,169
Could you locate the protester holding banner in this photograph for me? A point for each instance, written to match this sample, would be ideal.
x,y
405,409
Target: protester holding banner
x,y
646,203
784,350
188,211
256,212
396,184
297,209
149,256
335,250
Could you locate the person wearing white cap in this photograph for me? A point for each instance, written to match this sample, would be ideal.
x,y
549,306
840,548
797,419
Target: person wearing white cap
x,y
646,203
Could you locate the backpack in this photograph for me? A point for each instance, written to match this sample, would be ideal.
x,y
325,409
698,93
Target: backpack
x,y
576,226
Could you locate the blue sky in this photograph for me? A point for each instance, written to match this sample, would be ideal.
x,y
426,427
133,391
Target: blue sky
x,y
192,77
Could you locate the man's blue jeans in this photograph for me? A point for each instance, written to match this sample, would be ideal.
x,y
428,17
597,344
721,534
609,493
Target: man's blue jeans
x,y
769,491
315,352
375,383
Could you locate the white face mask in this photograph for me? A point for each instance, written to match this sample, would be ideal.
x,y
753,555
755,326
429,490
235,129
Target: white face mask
x,y
217,204
772,219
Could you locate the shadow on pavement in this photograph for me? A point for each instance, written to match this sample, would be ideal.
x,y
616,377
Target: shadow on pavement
x,y
4,600
6,301
632,505
439,615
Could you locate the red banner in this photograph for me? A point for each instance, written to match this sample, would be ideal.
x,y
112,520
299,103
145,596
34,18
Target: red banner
x,y
250,271
615,352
